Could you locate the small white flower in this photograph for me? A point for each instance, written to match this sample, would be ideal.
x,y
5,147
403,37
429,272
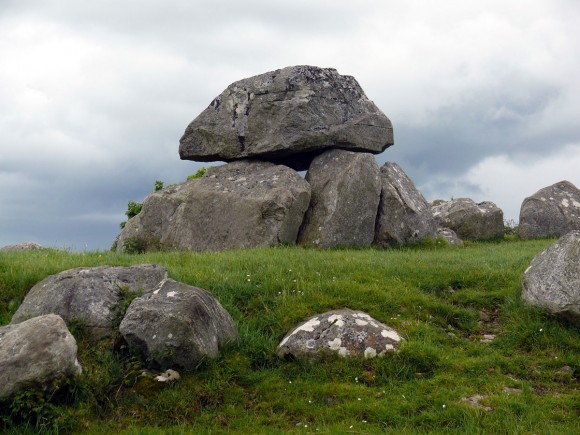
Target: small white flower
x,y
444,406
351,426
359,398
541,329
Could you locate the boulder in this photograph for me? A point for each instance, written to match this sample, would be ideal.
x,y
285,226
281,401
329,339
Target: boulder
x,y
35,354
344,332
243,204
345,197
89,295
551,211
404,215
177,326
287,116
24,246
450,236
469,220
553,279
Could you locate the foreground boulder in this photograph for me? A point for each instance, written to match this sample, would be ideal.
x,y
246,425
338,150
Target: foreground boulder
x,y
177,326
243,204
551,211
469,220
344,332
553,279
35,354
295,111
345,196
404,215
89,295
449,236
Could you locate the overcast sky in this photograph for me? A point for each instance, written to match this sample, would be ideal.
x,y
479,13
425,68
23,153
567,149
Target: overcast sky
x,y
94,95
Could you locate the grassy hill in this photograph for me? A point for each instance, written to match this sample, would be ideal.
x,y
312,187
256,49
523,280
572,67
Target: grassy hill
x,y
446,378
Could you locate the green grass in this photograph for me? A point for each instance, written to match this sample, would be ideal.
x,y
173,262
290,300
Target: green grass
x,y
435,297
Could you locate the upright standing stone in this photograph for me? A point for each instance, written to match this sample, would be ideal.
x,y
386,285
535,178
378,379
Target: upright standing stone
x,y
346,190
404,214
551,211
299,110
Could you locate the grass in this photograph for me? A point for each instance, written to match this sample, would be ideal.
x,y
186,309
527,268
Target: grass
x,y
442,300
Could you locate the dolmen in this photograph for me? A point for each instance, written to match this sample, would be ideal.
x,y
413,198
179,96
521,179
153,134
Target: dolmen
x,y
266,128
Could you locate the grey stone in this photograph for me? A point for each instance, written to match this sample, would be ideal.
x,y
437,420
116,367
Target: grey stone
x,y
177,325
244,204
345,197
551,211
24,246
469,220
450,236
35,354
552,281
89,295
298,110
404,215
344,332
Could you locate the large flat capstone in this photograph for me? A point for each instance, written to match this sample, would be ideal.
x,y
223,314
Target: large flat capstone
x,y
288,116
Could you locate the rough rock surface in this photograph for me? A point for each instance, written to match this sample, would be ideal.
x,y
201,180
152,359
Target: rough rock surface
x,y
469,220
243,204
296,110
404,215
25,246
345,197
344,332
551,211
89,295
35,353
177,325
553,279
450,236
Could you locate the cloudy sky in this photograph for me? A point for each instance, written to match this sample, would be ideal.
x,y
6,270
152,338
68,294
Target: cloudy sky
x,y
94,95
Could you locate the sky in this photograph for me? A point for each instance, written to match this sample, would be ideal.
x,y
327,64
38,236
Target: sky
x,y
484,96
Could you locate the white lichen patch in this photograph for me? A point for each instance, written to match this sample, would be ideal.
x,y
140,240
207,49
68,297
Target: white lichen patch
x,y
370,352
170,335
171,294
362,315
576,204
337,319
308,326
156,291
335,344
565,202
310,344
343,351
360,322
390,334
389,347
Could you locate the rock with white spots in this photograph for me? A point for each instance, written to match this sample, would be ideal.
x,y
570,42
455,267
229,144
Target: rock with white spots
x,y
90,296
404,215
553,279
345,196
177,325
24,246
287,116
469,220
35,354
244,204
344,332
450,236
551,211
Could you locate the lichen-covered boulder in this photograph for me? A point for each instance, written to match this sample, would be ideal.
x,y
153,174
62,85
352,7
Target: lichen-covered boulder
x,y
344,332
24,246
244,204
177,326
90,295
404,215
345,197
469,220
294,111
449,236
552,281
35,354
551,211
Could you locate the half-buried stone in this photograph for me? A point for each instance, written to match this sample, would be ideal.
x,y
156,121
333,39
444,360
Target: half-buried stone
x,y
344,332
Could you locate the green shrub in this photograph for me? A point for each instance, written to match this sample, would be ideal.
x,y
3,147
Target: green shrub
x,y
200,173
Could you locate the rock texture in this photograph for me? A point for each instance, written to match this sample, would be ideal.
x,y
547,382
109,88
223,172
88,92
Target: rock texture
x,y
404,215
35,354
25,246
299,110
243,204
177,325
553,279
344,332
89,295
551,211
345,196
450,236
469,220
